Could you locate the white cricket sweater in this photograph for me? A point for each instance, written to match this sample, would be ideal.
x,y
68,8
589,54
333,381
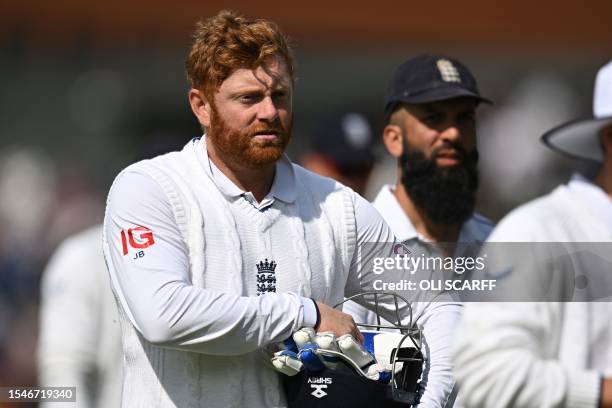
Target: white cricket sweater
x,y
216,359
540,354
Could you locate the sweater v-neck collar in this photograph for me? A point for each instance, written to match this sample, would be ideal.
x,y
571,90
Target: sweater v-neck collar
x,y
283,187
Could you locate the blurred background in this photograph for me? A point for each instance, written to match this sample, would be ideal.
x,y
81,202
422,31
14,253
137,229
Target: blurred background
x,y
88,87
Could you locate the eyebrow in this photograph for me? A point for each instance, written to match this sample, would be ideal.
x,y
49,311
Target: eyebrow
x,y
427,109
253,89
436,108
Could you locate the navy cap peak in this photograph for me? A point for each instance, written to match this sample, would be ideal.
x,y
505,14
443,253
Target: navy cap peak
x,y
430,78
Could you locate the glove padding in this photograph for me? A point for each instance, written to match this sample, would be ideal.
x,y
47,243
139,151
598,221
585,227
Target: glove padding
x,y
287,362
380,372
300,352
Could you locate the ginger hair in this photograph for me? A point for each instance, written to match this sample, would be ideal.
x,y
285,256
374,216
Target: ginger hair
x,y
227,42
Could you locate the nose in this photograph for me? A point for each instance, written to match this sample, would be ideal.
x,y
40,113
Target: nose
x,y
267,110
451,133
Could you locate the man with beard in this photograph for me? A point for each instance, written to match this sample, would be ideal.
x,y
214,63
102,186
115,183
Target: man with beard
x,y
224,249
430,106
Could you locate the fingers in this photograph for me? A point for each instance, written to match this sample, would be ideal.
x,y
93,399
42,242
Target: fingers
x,y
354,330
338,322
358,336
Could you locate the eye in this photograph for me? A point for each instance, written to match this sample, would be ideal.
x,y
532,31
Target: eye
x,y
280,95
433,118
249,99
466,119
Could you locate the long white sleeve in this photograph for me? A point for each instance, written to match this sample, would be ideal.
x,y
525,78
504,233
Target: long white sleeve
x,y
438,317
439,322
154,288
505,357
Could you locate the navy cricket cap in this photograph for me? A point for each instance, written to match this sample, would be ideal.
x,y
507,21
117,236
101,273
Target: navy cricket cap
x,y
430,78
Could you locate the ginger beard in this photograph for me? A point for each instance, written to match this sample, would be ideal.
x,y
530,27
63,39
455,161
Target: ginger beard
x,y
239,146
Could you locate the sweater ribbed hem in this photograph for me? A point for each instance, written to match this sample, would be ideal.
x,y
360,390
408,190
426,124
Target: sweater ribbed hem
x,y
583,389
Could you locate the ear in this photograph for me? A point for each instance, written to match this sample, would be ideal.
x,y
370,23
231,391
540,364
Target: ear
x,y
200,106
392,137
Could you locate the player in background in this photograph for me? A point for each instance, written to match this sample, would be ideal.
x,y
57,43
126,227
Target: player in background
x,y
430,110
556,353
430,106
342,148
79,339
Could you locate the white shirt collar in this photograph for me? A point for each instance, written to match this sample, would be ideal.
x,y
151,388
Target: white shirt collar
x,y
394,215
596,199
475,229
283,186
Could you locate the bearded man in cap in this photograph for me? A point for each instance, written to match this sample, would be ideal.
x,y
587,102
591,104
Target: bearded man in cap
x,y
430,108
556,353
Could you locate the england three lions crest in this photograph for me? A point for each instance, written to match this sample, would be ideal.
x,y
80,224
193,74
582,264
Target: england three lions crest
x,y
266,278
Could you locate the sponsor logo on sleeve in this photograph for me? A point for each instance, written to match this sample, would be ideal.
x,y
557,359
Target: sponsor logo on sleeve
x,y
137,238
